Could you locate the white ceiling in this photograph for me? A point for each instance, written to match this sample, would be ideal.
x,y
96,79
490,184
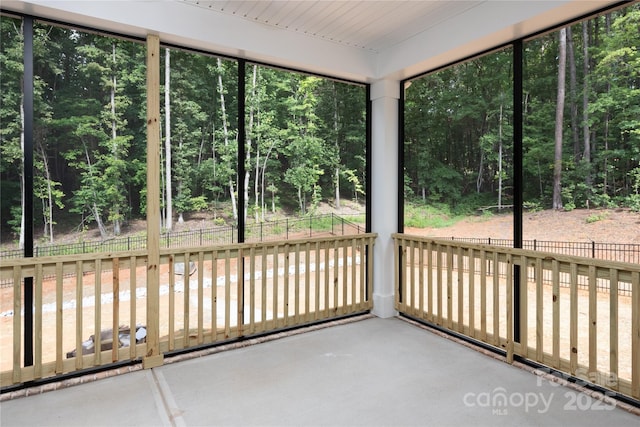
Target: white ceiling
x,y
360,40
372,25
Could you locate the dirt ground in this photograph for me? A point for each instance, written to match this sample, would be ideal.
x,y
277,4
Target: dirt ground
x,y
579,225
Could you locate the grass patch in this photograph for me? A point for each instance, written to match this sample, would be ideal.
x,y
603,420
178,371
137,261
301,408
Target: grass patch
x,y
429,216
597,217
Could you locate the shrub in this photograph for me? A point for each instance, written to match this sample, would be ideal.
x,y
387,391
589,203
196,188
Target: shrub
x,y
597,217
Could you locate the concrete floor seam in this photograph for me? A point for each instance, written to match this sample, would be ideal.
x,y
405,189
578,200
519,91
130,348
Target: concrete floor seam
x,y
168,409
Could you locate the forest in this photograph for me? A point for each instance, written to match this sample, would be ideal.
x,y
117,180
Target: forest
x,y
581,123
306,135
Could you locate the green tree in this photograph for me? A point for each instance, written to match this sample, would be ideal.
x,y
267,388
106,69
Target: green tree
x,y
11,129
305,150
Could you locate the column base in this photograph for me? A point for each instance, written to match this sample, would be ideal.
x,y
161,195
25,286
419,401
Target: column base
x,y
384,306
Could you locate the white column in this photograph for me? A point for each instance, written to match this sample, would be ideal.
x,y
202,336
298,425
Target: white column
x,y
384,191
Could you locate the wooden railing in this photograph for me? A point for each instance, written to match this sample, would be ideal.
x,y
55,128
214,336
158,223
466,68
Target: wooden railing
x,y
591,334
207,295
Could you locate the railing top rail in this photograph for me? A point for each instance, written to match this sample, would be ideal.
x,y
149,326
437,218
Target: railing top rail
x,y
537,254
555,242
69,259
268,244
142,253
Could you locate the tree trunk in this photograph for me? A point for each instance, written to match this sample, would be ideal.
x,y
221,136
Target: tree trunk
x,y
98,218
22,183
94,206
249,144
575,134
300,200
226,138
500,160
48,206
263,174
607,117
180,186
335,129
168,222
480,172
114,135
256,185
586,132
337,195
273,202
557,163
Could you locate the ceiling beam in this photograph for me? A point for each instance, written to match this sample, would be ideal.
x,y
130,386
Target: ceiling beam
x,y
481,26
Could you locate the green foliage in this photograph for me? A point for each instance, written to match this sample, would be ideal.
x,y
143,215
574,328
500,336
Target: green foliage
x,y
568,202
459,120
323,223
90,92
596,217
532,206
633,202
421,215
469,204
602,200
354,180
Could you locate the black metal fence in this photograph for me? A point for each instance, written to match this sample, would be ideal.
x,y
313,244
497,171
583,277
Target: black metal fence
x,y
227,234
624,252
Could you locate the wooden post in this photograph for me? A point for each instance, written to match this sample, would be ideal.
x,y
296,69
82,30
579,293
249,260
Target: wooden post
x,y
509,308
201,293
496,299
555,271
421,282
539,310
593,320
472,293
613,327
97,314
264,262
523,323
79,313
153,357
573,318
449,287
345,276
186,300
411,300
460,296
635,334
115,271
252,290
483,294
133,286
397,276
59,318
172,302
430,282
17,324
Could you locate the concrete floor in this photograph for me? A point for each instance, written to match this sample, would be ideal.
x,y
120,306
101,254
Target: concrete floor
x,y
372,372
